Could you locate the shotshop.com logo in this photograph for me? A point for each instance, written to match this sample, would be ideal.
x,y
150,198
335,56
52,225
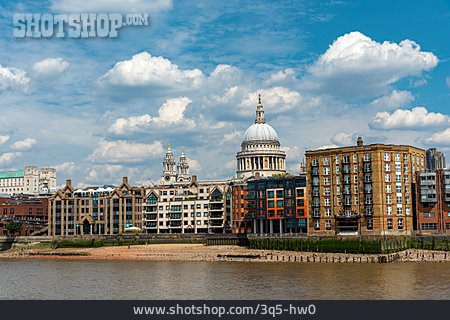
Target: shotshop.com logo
x,y
74,25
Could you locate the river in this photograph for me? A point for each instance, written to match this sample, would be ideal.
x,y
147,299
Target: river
x,y
97,279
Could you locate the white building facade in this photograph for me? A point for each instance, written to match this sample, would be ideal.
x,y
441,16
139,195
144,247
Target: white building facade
x,y
32,180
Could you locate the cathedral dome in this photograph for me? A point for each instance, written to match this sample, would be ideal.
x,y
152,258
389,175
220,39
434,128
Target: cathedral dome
x,y
260,132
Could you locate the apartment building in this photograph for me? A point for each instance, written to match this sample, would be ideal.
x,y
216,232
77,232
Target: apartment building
x,y
188,206
95,210
277,204
362,189
30,212
433,202
239,207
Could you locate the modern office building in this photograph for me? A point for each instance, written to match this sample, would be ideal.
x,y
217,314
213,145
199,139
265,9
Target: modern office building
x,y
435,160
30,212
188,206
30,181
362,189
277,204
95,210
433,202
261,150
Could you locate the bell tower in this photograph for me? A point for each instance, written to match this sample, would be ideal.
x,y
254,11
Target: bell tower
x,y
169,174
183,168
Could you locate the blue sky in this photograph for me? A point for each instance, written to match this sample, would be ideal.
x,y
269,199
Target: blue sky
x,y
328,71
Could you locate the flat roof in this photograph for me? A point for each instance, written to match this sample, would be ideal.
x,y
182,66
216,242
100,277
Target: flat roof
x,y
12,174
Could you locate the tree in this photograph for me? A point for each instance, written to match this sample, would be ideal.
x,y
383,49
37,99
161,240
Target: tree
x,y
13,228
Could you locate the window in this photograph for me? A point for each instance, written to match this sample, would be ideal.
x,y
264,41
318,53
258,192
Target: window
x,y
406,178
337,159
367,157
199,222
389,199
389,211
398,188
328,224
369,224
355,178
387,157
428,226
270,194
387,167
315,181
388,188
314,162
355,168
327,191
338,180
279,203
400,223
300,192
397,157
205,214
369,210
387,178
345,159
328,212
326,170
399,211
337,170
317,224
407,211
367,177
326,181
279,193
199,214
389,223
429,214
327,201
399,199
271,204
356,200
355,158
338,190
398,178
326,161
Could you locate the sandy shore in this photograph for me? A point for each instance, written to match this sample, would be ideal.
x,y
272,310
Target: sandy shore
x,y
199,252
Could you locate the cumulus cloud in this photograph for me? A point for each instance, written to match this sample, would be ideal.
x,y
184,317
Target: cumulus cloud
x,y
49,68
124,6
144,70
66,167
355,65
394,100
441,138
171,112
281,77
3,139
194,165
416,118
275,100
24,145
8,157
12,78
125,152
343,138
102,173
232,135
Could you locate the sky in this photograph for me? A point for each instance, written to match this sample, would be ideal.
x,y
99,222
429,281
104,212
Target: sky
x,y
328,71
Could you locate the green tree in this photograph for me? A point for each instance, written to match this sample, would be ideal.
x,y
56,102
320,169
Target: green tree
x,y
13,228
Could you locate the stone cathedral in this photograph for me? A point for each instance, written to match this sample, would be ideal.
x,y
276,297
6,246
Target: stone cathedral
x,y
260,151
171,171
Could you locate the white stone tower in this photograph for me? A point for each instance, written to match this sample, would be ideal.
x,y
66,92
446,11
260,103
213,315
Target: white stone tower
x,y
169,174
183,168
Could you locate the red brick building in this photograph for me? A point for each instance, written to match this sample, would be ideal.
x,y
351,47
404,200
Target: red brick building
x,y
239,208
30,212
433,202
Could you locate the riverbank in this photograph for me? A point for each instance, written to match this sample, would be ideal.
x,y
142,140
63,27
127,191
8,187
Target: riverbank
x,y
199,252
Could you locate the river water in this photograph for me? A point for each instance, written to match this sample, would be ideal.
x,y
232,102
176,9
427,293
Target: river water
x,y
94,279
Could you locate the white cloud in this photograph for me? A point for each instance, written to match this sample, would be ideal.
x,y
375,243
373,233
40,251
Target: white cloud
x,y
275,100
171,112
232,135
394,100
124,6
66,167
126,152
7,158
419,83
292,153
355,65
49,68
12,78
415,118
24,145
144,70
100,173
447,81
281,77
343,138
3,139
194,164
439,138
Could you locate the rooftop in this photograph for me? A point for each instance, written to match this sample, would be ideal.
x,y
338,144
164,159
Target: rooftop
x,y
11,174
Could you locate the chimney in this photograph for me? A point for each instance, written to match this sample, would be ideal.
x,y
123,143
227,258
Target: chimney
x,y
194,178
360,142
68,182
125,180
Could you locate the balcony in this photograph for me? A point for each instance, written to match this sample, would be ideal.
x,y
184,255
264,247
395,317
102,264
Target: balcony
x,y
216,215
216,199
175,216
175,224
